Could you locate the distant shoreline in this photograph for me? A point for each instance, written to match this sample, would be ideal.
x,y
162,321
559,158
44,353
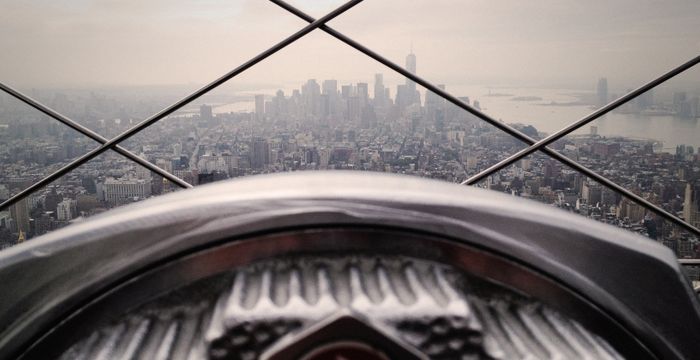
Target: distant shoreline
x,y
527,98
570,103
498,95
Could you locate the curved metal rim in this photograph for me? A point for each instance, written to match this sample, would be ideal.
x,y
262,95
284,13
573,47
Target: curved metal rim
x,y
59,273
229,253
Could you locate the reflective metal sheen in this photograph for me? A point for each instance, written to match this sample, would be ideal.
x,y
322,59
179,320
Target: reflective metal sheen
x,y
424,308
622,287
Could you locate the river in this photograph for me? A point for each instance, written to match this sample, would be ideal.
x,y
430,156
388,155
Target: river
x,y
534,108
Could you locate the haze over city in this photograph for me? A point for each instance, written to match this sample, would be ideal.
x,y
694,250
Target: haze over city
x,y
78,44
319,104
349,179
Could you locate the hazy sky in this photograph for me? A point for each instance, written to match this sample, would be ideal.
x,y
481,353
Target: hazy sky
x,y
54,43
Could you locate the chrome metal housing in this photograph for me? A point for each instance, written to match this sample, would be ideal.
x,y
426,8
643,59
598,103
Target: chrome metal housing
x,y
621,288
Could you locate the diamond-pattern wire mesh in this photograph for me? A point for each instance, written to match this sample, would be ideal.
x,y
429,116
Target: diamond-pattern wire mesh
x,y
314,24
91,134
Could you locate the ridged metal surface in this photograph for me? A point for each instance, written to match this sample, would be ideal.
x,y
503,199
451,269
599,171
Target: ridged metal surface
x,y
422,304
172,334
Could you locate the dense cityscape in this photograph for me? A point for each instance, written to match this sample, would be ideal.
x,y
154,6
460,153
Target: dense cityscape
x,y
325,125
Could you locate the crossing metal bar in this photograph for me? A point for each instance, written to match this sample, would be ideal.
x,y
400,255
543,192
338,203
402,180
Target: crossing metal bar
x,y
93,135
630,195
585,120
401,70
174,107
506,128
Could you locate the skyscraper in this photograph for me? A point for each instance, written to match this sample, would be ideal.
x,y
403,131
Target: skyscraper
x,y
353,110
691,204
278,105
259,107
602,92
411,67
325,102
410,85
433,101
379,90
311,95
407,94
330,87
347,91
260,154
363,94
205,112
20,214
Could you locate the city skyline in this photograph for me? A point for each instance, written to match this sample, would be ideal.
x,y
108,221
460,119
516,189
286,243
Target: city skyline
x,y
567,127
324,124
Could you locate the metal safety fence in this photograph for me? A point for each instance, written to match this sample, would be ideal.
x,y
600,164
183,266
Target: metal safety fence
x,y
320,24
